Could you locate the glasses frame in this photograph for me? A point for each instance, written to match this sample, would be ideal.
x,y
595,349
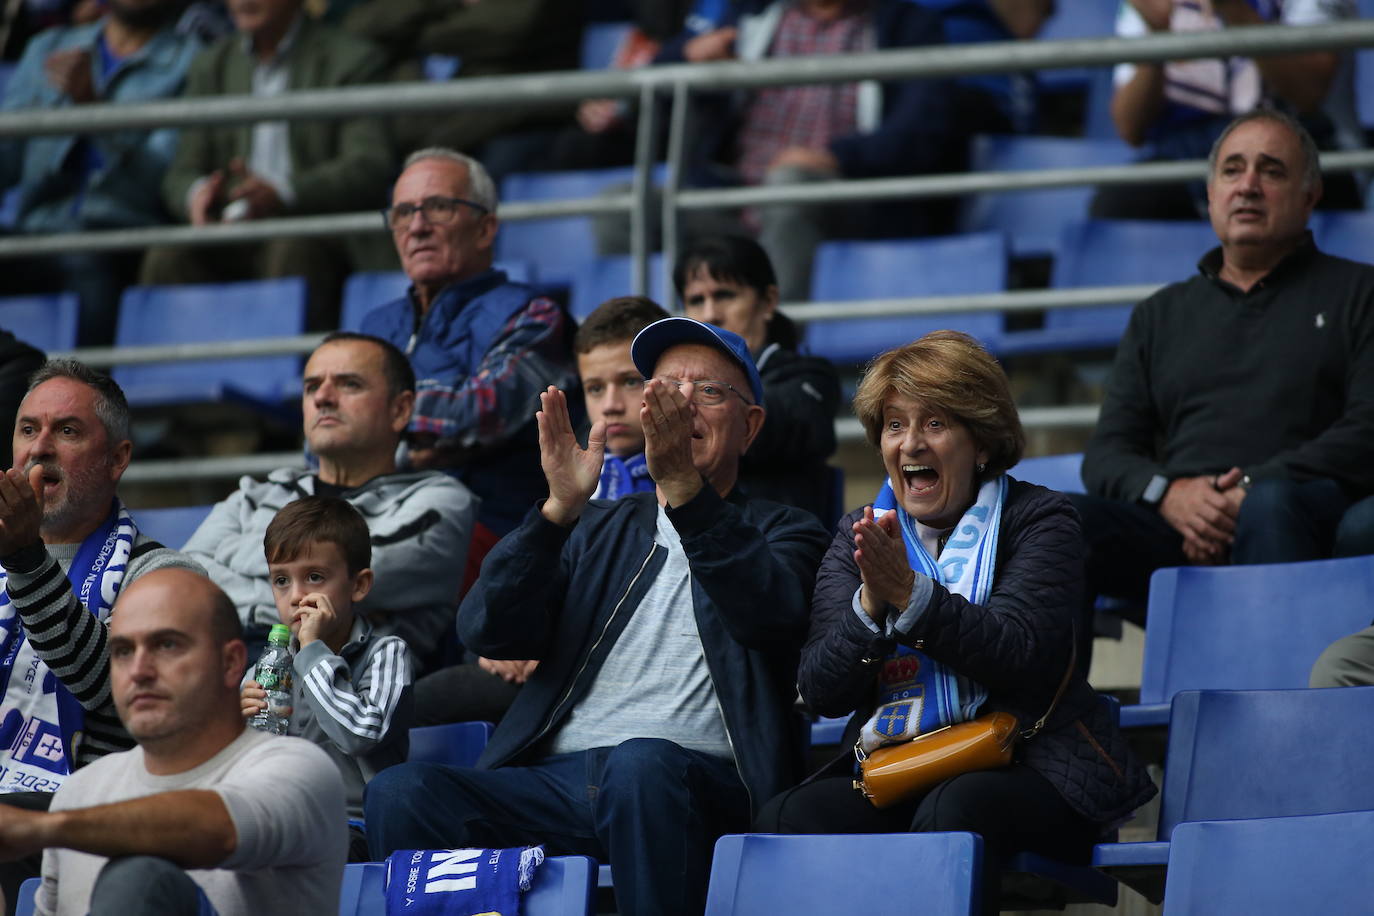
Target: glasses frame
x,y
420,208
696,383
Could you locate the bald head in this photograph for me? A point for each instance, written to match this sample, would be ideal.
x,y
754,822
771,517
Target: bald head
x,y
176,587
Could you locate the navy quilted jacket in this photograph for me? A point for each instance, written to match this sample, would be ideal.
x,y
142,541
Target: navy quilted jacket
x,y
1017,646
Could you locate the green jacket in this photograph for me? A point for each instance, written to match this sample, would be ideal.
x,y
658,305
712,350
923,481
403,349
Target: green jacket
x,y
337,166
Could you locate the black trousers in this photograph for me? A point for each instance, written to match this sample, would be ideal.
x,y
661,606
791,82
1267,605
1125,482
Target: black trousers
x,y
1014,809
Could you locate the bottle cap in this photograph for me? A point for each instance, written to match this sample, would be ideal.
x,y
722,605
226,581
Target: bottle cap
x,y
279,635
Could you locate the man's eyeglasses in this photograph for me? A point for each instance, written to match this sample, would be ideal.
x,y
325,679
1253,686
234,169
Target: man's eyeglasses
x,y
706,392
438,211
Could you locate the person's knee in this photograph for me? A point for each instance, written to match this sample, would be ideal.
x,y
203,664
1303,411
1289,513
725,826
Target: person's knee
x,y
1273,501
1355,532
137,884
642,761
947,807
1347,662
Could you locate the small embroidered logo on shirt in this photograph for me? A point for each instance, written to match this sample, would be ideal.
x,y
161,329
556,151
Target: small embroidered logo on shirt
x,y
1321,319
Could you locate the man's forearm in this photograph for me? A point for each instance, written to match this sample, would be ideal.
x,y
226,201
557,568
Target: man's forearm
x,y
191,828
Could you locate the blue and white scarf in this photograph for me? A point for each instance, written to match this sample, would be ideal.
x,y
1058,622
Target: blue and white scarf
x,y
917,694
40,721
459,882
623,476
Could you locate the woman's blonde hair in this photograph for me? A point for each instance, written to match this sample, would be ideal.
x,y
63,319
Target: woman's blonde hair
x,y
949,372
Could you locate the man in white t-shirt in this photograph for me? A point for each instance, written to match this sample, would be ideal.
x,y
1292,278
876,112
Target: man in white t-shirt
x,y
1176,109
203,815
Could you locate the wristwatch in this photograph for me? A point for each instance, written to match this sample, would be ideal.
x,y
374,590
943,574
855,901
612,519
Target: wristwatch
x,y
1154,490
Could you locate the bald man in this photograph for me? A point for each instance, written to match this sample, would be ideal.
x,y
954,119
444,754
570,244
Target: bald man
x,y
202,810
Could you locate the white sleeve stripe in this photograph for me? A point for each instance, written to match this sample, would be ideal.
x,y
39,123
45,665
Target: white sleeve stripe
x,y
388,675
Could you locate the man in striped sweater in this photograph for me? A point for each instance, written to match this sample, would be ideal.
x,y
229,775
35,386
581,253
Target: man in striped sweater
x,y
67,548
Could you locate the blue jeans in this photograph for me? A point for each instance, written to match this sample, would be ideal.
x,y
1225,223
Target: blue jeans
x,y
650,807
1285,521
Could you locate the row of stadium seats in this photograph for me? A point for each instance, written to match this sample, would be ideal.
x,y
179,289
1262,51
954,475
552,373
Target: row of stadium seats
x,y
1094,253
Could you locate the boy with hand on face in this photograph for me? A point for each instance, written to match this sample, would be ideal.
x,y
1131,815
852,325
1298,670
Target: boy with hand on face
x,y
614,389
352,690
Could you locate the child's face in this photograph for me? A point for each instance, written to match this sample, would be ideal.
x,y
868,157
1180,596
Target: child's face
x,y
614,392
319,572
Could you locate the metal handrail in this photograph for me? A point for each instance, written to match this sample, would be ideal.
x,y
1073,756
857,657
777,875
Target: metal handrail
x,y
537,89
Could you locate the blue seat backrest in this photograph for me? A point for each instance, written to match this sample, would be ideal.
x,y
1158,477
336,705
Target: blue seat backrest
x,y
1034,220
47,322
559,245
897,268
25,905
599,43
1267,753
1120,253
854,873
1272,866
1058,472
457,743
562,886
211,312
1075,19
7,69
606,277
1249,627
172,526
1346,233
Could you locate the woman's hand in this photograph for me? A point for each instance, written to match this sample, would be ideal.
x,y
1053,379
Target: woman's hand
x,y
881,556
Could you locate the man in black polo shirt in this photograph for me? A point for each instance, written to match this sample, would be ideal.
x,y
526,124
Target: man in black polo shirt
x,y
1238,425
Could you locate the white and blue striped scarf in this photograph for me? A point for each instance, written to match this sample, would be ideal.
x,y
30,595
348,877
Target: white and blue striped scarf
x,y
917,694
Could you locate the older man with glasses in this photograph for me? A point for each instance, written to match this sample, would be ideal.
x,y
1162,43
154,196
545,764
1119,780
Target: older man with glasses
x,y
483,347
667,627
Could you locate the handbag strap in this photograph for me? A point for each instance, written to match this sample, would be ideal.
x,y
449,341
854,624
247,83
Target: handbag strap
x,y
1063,685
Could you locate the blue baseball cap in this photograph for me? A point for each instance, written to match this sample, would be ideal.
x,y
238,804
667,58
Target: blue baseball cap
x,y
650,343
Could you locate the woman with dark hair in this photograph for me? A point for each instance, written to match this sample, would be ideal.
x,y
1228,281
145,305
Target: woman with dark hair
x,y
728,281
952,596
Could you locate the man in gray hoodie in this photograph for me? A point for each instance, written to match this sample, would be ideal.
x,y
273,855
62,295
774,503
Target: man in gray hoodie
x,y
357,396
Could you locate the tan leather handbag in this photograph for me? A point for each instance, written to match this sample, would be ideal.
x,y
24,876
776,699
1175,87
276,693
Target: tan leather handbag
x,y
893,774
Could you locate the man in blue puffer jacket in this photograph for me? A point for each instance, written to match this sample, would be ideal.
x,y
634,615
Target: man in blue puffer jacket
x,y
482,347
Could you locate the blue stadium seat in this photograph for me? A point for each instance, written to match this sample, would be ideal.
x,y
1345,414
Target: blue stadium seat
x,y
1245,627
562,886
1034,220
853,873
1113,253
599,279
558,246
213,312
600,41
895,268
1075,19
25,905
1254,753
9,208
47,322
1058,472
1272,866
7,69
1345,233
172,526
825,731
366,290
457,744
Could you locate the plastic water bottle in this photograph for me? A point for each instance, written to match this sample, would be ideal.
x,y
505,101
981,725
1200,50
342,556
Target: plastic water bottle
x,y
273,674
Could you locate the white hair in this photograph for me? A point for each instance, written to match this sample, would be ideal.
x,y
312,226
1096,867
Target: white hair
x,y
481,188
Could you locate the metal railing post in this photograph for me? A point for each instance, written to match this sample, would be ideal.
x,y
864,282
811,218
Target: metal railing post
x,y
640,216
677,162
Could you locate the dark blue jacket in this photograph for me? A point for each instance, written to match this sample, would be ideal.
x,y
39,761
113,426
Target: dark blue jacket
x,y
563,596
1017,645
917,119
482,354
